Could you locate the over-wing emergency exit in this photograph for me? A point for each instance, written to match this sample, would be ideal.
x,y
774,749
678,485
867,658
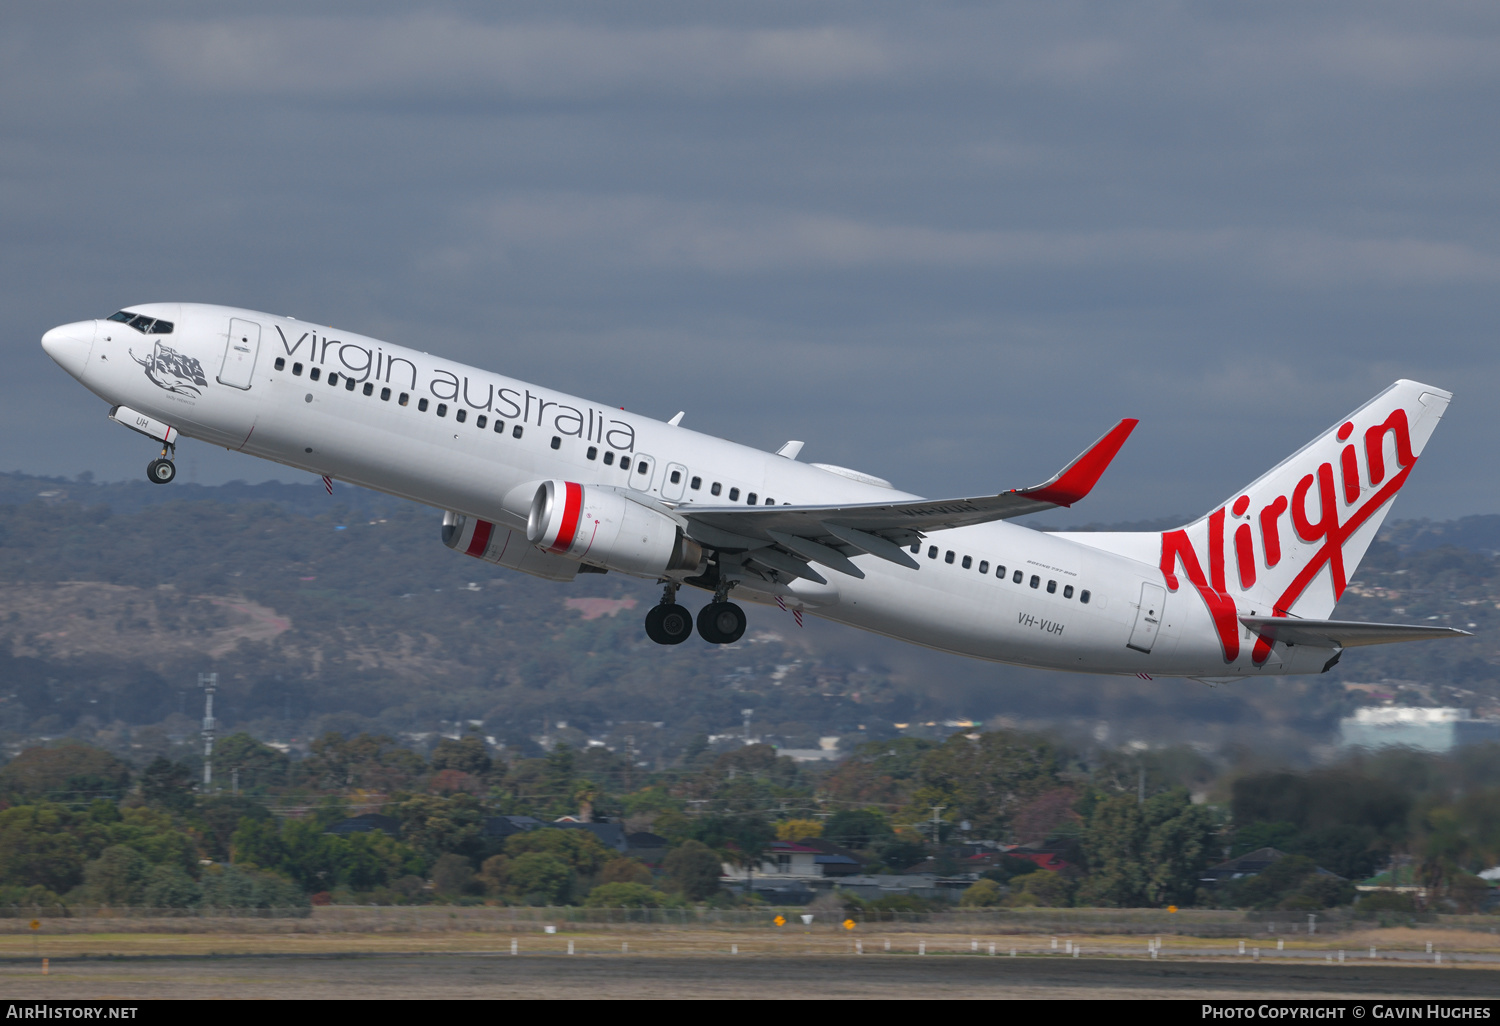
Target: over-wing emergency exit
x,y
554,485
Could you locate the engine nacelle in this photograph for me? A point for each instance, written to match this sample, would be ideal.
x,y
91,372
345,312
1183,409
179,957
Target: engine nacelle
x,y
494,544
608,529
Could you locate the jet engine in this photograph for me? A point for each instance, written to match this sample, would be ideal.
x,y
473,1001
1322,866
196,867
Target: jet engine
x,y
608,529
495,544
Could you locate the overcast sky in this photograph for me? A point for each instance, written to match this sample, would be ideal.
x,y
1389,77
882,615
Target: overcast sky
x,y
946,244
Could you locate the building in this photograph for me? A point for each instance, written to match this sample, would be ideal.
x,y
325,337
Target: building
x,y
1430,730
370,821
1249,864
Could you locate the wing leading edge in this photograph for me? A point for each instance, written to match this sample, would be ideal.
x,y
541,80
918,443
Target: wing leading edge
x,y
792,537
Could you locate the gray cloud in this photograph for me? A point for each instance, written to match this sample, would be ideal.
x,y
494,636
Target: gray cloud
x,y
947,245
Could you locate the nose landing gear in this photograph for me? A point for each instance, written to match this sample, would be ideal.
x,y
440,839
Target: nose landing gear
x,y
162,470
668,623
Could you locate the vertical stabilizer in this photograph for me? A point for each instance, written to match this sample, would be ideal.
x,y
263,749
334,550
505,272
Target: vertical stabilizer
x,y
1287,544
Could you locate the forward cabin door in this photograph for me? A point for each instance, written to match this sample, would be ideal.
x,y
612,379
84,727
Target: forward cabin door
x,y
1147,617
240,350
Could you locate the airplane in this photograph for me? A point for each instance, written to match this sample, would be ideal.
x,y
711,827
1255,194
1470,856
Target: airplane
x,y
554,485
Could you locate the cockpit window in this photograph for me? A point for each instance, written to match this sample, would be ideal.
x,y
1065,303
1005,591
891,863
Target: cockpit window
x,y
145,325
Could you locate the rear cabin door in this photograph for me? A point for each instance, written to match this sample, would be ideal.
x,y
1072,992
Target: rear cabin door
x,y
1147,617
240,350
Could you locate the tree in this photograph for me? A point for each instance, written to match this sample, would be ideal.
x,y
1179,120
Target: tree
x,y
693,870
538,878
579,850
625,871
1050,890
1146,854
68,772
856,828
260,766
625,895
987,780
242,887
167,785
452,875
46,846
797,829
981,894
117,877
170,887
466,755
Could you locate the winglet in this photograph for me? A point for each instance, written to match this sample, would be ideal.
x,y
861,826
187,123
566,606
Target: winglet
x,y
1078,478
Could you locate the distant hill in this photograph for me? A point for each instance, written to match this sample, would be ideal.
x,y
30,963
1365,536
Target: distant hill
x,y
346,612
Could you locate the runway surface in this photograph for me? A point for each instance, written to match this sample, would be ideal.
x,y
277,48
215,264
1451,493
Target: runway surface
x,y
487,975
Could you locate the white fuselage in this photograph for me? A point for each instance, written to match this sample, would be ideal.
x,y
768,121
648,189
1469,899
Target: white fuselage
x,y
432,456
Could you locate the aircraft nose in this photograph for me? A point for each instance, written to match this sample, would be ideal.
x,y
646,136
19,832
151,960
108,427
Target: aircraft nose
x,y
69,345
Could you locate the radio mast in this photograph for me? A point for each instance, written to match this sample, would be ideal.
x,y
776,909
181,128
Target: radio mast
x,y
208,682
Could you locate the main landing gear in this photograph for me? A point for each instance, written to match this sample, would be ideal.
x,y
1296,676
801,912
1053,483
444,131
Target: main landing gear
x,y
162,470
668,623
719,623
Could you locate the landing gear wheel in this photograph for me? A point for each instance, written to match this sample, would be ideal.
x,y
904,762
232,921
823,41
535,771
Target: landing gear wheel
x,y
669,624
721,623
161,471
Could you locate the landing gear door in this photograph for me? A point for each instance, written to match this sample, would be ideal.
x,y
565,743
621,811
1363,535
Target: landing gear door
x,y
240,350
642,473
673,484
1147,617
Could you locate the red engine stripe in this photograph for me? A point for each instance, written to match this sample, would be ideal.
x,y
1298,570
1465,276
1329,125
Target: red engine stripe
x,y
481,539
572,507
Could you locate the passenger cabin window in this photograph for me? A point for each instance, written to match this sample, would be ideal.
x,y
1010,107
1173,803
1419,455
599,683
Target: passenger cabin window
x,y
1067,591
1000,571
984,566
1036,582
750,499
916,547
932,552
593,453
716,489
695,483
385,395
333,379
968,562
481,422
297,369
556,442
403,399
349,383
145,325
624,462
499,427
515,432
1051,587
734,495
1018,576
369,389
460,415
442,410
313,374
948,556
771,502
1083,596
281,363
422,404
609,458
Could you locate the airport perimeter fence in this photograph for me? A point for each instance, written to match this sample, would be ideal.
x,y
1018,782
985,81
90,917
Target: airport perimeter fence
x,y
1205,923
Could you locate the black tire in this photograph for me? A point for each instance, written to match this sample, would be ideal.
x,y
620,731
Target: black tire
x,y
669,624
721,623
161,471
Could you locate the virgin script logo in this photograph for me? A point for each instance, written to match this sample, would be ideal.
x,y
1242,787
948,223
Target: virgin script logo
x,y
1348,495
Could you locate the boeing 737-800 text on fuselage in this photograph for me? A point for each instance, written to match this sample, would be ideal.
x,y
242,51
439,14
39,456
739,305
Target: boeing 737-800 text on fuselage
x,y
554,486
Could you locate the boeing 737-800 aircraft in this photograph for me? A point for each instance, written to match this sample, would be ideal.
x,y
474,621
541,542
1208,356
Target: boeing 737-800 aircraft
x,y
554,486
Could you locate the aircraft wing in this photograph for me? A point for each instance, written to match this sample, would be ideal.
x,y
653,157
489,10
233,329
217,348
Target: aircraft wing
x,y
1345,633
788,538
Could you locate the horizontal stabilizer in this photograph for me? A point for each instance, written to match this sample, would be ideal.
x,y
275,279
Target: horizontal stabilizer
x,y
1344,633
